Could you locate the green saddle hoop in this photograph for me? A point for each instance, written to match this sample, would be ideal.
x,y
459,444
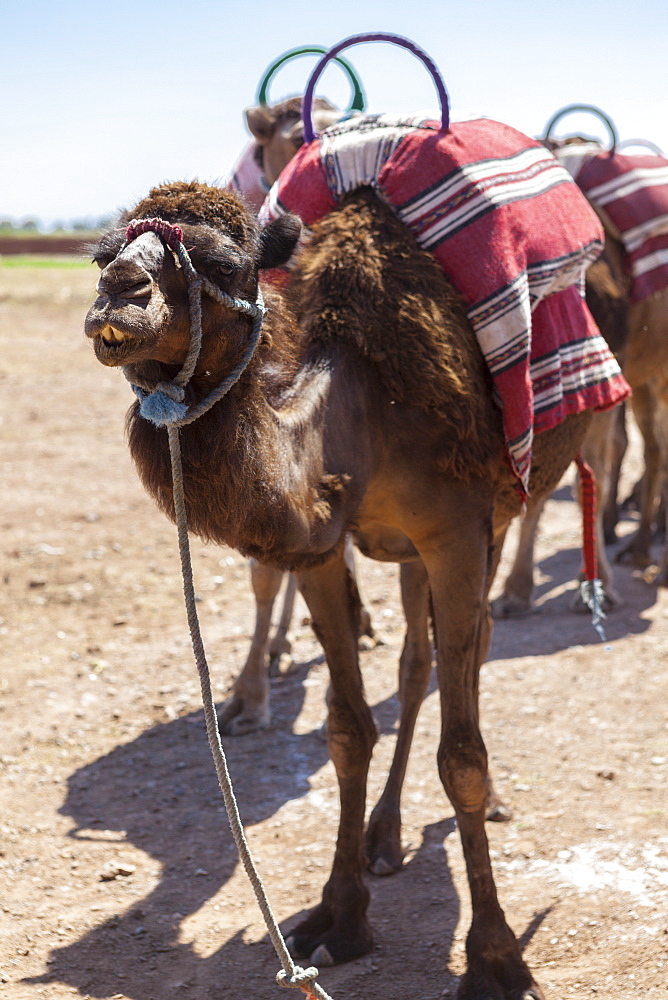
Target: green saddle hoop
x,y
358,101
583,107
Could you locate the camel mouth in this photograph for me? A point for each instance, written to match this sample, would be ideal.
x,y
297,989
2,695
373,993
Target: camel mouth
x,y
113,346
112,338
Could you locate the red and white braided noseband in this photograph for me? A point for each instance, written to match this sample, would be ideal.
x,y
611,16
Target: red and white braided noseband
x,y
170,233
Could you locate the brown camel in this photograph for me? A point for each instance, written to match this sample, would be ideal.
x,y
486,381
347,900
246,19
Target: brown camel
x,y
278,133
371,413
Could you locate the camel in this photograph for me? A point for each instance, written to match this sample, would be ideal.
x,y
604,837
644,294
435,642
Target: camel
x,y
372,413
278,133
636,327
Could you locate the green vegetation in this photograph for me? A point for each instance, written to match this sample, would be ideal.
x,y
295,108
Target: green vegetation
x,y
42,260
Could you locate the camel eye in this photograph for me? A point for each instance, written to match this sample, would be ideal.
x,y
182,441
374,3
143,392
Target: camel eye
x,y
103,260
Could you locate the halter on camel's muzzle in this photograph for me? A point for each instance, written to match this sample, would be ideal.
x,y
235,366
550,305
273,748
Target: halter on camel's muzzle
x,y
163,404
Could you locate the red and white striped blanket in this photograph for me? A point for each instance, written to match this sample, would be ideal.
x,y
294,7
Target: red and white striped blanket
x,y
633,192
509,228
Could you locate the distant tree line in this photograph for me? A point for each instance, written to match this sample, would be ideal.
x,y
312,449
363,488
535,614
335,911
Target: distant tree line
x,y
30,226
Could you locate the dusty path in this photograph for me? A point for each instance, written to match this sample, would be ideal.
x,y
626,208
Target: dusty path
x,y
118,877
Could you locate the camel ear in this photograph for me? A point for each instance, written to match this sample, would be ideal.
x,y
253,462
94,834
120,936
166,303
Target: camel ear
x,y
261,123
278,241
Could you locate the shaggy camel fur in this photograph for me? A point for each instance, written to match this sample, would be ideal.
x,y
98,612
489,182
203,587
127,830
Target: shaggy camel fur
x,y
326,433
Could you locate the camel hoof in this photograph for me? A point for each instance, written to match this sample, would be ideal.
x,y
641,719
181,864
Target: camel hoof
x,y
630,555
365,643
243,725
321,957
366,628
381,866
290,945
511,606
234,719
281,664
499,812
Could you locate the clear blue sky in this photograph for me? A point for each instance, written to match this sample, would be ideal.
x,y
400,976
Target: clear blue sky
x,y
100,101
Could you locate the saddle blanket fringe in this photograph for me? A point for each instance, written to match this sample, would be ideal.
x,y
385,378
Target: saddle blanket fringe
x,y
511,230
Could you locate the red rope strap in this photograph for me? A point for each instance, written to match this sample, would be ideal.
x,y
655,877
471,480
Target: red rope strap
x,y
588,494
171,234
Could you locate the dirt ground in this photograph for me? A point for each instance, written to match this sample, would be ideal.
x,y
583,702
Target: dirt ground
x,y
118,874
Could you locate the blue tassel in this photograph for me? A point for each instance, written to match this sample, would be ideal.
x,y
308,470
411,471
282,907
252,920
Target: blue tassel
x,y
161,410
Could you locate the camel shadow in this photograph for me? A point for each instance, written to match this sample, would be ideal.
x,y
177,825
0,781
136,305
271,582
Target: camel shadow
x,y
554,626
161,791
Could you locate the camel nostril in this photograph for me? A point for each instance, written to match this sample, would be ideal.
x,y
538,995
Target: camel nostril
x,y
125,280
138,290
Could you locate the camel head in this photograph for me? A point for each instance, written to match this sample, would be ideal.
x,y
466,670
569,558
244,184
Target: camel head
x,y
279,132
572,140
142,312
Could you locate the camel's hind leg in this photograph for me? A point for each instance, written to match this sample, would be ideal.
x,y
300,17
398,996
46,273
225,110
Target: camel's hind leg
x,y
383,837
620,443
337,930
662,513
280,644
458,564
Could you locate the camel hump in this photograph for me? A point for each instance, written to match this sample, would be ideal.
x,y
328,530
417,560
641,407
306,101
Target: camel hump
x,y
364,282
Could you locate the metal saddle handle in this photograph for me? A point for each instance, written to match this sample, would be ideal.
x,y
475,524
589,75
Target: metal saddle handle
x,y
583,107
309,131
357,102
626,143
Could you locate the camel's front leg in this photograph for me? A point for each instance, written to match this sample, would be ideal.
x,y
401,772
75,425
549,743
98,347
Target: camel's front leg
x,y
517,597
457,563
337,930
248,708
280,644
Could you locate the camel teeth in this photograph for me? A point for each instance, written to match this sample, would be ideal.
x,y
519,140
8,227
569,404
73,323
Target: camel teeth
x,y
113,336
